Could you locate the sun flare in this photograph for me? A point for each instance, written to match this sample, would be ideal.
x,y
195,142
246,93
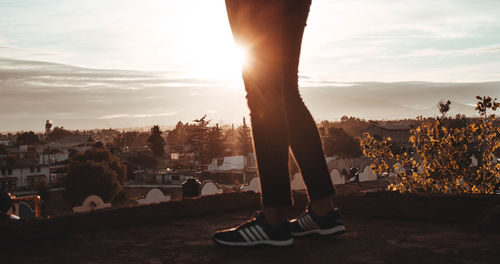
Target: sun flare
x,y
223,62
241,56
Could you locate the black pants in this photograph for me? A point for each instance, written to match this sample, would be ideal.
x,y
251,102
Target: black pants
x,y
271,30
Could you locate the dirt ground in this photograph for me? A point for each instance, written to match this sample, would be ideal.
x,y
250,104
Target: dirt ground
x,y
188,240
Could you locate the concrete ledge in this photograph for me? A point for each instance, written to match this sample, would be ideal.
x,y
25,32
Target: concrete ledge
x,y
460,209
26,230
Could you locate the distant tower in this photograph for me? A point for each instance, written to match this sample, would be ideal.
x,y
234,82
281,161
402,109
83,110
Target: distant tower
x,y
48,126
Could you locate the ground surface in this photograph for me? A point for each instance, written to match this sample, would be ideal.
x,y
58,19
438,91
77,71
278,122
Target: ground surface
x,y
188,240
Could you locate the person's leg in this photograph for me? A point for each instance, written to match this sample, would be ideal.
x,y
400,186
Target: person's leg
x,y
257,24
272,30
321,217
304,138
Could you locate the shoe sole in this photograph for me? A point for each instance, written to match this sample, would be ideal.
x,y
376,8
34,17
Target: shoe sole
x,y
283,243
324,232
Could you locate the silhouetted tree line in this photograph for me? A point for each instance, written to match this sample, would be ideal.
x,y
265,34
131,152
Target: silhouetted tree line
x,y
58,133
27,138
31,138
337,142
208,142
351,125
132,139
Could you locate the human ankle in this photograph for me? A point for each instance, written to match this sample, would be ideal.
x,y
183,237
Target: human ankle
x,y
322,206
275,216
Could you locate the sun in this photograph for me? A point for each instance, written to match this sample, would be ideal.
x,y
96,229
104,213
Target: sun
x,y
241,56
223,62
202,48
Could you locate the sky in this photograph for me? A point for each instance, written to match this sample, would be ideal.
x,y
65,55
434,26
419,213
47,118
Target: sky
x,y
98,64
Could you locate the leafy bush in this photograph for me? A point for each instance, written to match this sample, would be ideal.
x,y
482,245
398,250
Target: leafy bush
x,y
443,157
96,171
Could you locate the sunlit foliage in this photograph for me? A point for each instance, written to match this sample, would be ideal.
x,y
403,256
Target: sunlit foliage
x,y
443,159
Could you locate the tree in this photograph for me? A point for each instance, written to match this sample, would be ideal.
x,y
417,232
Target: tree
x,y
351,125
339,143
156,142
486,127
231,141
215,144
444,107
484,103
132,138
96,171
244,139
198,138
178,136
27,138
58,133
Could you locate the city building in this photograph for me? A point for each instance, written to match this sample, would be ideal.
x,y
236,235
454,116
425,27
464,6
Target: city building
x,y
230,170
61,149
22,174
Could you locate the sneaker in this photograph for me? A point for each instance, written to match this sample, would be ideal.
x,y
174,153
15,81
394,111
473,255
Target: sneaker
x,y
309,223
255,232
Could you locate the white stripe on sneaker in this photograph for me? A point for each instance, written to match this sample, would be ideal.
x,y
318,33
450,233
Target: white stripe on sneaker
x,y
311,221
301,223
261,230
256,233
244,235
249,233
308,223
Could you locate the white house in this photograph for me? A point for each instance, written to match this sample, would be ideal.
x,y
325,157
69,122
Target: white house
x,y
60,150
22,176
231,170
232,163
228,163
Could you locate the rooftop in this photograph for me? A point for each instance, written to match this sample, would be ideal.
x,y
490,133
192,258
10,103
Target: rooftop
x,y
69,141
382,228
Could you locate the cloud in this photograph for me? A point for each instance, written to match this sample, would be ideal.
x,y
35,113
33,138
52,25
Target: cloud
x,y
402,40
430,52
383,40
82,98
136,115
378,100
